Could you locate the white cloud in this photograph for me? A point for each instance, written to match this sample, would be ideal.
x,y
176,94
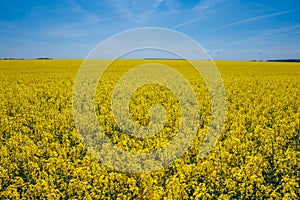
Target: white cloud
x,y
257,52
220,51
253,51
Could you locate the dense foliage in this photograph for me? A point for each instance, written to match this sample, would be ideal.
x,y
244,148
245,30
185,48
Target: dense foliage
x,y
257,155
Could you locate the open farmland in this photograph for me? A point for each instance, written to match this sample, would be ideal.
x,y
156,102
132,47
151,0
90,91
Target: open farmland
x,y
256,156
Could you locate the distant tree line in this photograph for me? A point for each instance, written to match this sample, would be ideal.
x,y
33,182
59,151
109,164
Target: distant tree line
x,y
277,60
284,60
158,58
41,58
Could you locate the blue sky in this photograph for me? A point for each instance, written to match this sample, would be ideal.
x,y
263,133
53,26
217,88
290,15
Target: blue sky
x,y
227,29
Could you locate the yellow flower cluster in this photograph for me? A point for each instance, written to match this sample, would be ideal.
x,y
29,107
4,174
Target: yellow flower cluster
x,y
257,155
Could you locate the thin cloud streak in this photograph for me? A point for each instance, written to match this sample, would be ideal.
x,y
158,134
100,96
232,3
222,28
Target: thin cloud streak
x,y
203,7
137,11
207,4
283,30
187,23
251,19
272,33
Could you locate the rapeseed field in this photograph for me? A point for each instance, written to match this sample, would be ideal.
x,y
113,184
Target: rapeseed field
x,y
257,155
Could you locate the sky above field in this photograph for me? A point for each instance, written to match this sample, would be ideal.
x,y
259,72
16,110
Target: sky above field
x,y
227,29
